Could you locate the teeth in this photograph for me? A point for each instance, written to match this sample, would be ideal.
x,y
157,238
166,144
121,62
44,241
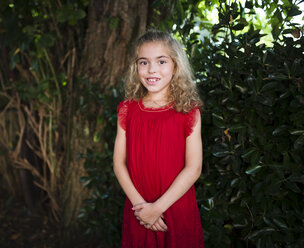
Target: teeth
x,y
151,79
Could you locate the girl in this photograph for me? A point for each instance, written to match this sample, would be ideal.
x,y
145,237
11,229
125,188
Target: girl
x,y
158,147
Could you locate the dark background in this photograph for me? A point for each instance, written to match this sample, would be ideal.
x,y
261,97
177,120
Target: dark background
x,y
62,66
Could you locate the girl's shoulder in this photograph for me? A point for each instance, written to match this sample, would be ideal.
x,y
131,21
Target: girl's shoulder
x,y
191,118
123,109
125,104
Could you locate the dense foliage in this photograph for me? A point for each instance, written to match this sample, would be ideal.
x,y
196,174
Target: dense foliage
x,y
250,192
102,214
252,187
45,106
253,134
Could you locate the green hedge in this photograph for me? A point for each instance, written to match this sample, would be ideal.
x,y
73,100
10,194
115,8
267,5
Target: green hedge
x,y
251,190
101,218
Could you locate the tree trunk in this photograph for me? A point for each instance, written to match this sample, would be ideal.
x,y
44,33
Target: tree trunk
x,y
112,26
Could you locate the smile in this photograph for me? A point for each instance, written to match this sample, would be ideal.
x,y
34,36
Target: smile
x,y
152,79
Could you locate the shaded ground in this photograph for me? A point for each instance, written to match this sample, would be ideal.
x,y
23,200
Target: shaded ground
x,y
18,229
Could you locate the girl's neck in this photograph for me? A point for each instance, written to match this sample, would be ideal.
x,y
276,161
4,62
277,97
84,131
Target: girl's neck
x,y
155,100
156,97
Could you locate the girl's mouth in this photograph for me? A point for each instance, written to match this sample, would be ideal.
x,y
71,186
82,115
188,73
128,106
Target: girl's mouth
x,y
152,81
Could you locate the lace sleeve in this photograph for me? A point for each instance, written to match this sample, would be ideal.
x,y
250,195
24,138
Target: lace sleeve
x,y
122,113
191,120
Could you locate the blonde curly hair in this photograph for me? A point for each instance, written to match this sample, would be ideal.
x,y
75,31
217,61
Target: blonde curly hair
x,y
182,89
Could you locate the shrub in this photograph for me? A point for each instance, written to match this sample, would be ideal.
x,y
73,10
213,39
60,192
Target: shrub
x,y
253,130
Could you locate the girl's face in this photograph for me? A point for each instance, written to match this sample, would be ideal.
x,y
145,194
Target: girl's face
x,y
155,67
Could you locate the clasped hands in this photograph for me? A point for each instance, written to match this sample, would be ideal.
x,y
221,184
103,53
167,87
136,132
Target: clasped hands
x,y
150,216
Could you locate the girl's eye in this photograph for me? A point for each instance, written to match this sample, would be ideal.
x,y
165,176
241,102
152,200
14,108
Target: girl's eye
x,y
142,62
162,62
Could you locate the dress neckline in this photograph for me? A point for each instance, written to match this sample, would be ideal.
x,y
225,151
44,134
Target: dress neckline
x,y
151,109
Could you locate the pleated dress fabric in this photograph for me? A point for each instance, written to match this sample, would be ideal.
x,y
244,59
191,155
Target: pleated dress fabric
x,y
155,141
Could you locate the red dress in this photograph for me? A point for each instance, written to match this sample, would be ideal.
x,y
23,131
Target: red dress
x,y
155,156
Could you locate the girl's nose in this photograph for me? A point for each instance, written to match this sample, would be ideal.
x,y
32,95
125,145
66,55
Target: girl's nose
x,y
152,68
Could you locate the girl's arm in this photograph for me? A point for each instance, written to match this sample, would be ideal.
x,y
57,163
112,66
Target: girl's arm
x,y
148,213
120,168
123,177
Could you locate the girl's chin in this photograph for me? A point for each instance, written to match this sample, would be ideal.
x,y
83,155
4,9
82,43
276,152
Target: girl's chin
x,y
155,88
151,84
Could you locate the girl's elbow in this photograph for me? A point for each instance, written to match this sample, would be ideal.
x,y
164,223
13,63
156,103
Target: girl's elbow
x,y
118,166
195,170
114,170
115,167
198,172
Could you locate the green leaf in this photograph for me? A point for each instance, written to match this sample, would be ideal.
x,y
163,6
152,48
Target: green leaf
x,y
297,132
293,187
236,164
68,14
211,203
265,100
237,127
277,166
279,130
253,169
287,31
30,30
278,14
79,14
270,87
249,5
296,157
221,154
275,31
218,121
285,95
249,153
296,178
234,182
242,89
45,40
294,11
239,26
233,109
260,232
255,158
299,143
277,76
280,223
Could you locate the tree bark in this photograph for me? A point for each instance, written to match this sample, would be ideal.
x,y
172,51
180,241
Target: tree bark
x,y
112,26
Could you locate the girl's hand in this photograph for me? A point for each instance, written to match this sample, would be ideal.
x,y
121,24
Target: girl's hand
x,y
150,216
159,225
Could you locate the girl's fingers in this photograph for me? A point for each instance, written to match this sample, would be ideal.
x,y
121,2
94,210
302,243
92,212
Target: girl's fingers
x,y
162,224
157,227
154,228
138,206
136,213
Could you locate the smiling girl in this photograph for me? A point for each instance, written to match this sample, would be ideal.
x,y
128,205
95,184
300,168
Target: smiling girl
x,y
158,147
